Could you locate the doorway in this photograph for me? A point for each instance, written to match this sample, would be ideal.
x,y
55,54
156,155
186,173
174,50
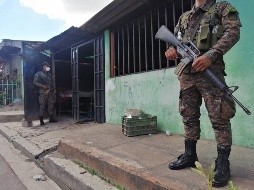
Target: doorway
x,y
88,82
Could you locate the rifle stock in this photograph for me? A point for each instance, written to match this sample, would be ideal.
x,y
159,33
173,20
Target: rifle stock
x,y
164,34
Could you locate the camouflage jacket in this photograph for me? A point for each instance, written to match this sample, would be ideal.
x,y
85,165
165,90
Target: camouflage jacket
x,y
223,14
43,79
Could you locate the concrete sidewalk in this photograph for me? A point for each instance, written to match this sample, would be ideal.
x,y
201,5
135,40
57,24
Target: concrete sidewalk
x,y
135,163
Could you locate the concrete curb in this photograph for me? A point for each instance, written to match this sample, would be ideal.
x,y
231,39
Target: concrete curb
x,y
65,173
73,176
26,147
127,175
58,171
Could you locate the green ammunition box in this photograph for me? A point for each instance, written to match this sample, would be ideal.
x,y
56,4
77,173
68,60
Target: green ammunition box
x,y
141,125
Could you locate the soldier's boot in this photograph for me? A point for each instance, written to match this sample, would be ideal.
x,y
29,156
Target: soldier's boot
x,y
41,120
187,159
222,167
51,119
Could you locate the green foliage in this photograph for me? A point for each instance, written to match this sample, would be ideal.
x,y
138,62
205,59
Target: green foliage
x,y
208,173
231,186
2,97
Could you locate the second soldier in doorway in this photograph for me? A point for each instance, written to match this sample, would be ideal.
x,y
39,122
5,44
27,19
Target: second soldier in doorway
x,y
43,81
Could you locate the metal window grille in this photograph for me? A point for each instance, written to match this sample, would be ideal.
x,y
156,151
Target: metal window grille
x,y
133,46
8,91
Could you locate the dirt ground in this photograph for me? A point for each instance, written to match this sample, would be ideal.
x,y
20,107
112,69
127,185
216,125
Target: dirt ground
x,y
19,106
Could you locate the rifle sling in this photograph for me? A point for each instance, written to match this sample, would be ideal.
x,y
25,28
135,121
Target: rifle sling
x,y
181,66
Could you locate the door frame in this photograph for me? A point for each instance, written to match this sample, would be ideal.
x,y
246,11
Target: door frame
x,y
99,79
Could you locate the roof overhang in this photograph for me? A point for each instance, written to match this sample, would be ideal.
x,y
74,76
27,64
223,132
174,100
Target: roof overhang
x,y
14,47
111,14
108,16
7,51
65,40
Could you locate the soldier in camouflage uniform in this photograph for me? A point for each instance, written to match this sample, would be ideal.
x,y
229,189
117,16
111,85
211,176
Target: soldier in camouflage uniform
x,y
43,80
214,28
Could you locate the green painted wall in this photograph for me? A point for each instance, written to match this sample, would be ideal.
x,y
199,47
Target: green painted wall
x,y
156,92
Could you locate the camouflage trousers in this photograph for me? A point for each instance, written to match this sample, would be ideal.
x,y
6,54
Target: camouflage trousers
x,y
46,100
221,108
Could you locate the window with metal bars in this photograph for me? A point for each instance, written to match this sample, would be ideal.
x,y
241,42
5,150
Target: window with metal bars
x,y
134,48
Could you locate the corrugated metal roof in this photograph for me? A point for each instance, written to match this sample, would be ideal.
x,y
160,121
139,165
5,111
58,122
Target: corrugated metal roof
x,y
13,47
111,14
99,22
65,39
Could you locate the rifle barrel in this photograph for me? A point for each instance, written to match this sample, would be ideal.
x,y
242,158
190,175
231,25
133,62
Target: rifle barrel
x,y
225,88
239,103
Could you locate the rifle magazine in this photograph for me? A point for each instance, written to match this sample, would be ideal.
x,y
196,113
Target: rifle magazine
x,y
179,69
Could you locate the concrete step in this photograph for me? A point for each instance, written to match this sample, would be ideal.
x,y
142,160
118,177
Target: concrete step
x,y
11,116
72,175
125,174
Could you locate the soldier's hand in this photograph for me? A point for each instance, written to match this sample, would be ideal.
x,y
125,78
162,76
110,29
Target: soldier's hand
x,y
201,63
171,53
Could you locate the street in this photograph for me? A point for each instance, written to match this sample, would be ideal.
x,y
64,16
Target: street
x,y
19,173
6,174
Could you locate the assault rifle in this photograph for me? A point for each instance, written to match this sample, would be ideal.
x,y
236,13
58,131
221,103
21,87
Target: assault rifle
x,y
188,52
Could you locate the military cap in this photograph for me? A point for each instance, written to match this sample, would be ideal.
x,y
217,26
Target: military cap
x,y
45,63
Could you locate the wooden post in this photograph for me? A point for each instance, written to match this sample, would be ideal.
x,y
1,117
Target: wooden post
x,y
54,78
